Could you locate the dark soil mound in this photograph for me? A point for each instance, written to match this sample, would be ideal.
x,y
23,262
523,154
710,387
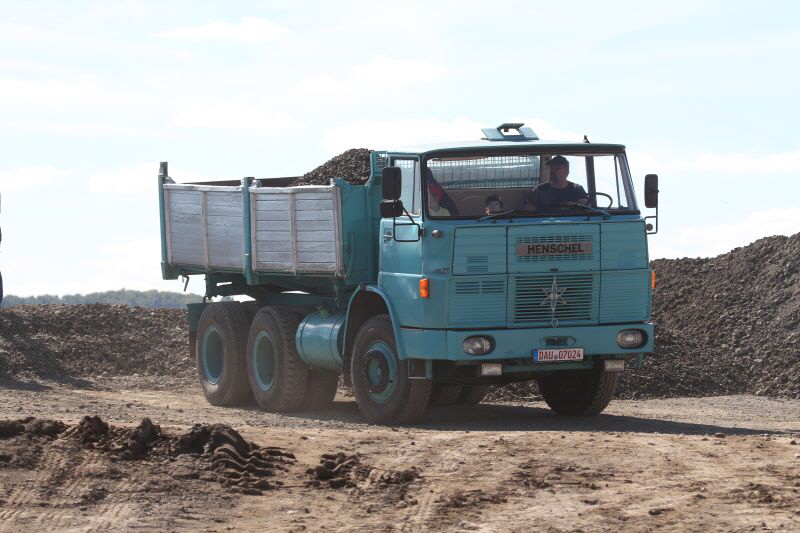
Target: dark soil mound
x,y
353,166
724,325
70,342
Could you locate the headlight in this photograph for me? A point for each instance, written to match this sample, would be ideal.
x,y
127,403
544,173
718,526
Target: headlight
x,y
477,345
631,338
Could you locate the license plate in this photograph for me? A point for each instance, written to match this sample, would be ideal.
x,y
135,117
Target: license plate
x,y
562,354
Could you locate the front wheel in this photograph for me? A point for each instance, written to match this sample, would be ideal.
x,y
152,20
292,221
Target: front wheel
x,y
578,392
384,392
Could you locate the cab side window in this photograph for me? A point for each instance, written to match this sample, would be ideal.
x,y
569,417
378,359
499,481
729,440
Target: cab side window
x,y
409,194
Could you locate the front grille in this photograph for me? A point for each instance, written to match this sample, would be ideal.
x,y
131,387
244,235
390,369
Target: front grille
x,y
477,302
548,239
576,305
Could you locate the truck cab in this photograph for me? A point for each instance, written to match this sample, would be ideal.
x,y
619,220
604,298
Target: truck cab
x,y
460,266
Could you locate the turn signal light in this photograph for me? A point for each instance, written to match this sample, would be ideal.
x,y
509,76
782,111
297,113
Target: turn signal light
x,y
653,279
423,288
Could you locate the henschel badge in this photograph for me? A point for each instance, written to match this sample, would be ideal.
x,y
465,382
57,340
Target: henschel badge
x,y
552,297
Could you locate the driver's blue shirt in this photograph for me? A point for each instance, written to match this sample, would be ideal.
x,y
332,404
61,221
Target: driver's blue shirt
x,y
545,196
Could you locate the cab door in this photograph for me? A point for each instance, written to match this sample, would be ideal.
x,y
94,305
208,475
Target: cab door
x,y
401,245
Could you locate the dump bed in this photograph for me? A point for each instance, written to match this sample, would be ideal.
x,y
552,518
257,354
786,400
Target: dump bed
x,y
290,229
262,232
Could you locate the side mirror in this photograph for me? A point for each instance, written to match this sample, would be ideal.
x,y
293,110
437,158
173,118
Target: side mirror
x,y
392,181
391,208
651,190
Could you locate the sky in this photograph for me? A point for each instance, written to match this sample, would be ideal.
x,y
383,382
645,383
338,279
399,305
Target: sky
x,y
94,94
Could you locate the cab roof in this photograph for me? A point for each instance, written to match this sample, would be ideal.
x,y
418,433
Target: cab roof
x,y
500,139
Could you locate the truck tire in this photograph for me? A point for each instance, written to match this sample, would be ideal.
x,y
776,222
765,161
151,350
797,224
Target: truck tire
x,y
579,392
472,394
381,385
445,394
278,377
321,389
220,354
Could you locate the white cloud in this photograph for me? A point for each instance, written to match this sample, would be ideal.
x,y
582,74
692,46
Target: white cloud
x,y
250,30
718,163
712,240
361,79
233,116
23,178
48,93
85,129
138,179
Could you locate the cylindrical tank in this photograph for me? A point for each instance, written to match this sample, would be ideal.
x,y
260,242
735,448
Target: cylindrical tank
x,y
318,340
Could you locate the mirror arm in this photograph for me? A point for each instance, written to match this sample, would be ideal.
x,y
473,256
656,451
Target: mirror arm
x,y
649,230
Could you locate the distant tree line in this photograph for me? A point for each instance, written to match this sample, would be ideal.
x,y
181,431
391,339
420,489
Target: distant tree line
x,y
126,297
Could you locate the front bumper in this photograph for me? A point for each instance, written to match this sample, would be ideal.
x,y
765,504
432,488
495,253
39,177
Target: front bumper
x,y
447,345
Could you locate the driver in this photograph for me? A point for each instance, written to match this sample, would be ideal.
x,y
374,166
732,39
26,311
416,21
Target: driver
x,y
559,192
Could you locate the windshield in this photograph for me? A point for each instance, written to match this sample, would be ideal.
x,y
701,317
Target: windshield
x,y
526,184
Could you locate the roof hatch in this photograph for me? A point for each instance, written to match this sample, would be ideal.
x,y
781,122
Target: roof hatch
x,y
501,132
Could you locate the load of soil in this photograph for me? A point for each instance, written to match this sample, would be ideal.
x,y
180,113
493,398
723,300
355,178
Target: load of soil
x,y
70,343
353,166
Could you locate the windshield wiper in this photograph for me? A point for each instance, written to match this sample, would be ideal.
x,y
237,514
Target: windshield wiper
x,y
501,213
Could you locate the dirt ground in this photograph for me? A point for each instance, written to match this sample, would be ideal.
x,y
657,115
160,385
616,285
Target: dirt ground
x,y
727,463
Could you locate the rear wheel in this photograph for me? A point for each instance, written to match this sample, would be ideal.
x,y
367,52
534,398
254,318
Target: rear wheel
x,y
220,340
381,385
445,394
579,392
321,389
278,378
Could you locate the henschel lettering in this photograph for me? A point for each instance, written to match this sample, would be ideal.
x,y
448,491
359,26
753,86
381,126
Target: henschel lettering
x,y
555,248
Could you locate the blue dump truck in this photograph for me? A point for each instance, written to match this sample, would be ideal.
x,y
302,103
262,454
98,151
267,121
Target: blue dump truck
x,y
453,268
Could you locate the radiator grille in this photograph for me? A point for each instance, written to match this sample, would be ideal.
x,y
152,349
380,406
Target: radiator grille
x,y
531,305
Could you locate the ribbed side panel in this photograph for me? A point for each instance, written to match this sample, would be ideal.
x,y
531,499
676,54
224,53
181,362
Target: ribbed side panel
x,y
624,245
477,302
625,296
575,297
480,251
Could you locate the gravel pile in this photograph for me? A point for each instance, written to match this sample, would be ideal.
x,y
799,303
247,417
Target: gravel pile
x,y
353,166
68,343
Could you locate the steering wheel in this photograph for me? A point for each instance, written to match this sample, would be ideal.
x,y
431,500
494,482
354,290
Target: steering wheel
x,y
610,199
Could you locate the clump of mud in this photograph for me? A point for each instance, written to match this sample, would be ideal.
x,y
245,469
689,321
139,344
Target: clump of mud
x,y
209,452
353,166
336,470
235,463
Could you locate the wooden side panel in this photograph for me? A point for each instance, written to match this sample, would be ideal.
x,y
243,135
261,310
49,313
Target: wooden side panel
x,y
297,230
205,227
225,229
184,227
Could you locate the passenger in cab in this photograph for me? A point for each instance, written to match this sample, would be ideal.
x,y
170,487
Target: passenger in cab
x,y
493,205
435,193
560,192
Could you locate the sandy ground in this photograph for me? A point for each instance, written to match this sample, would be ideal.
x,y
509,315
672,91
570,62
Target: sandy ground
x,y
690,464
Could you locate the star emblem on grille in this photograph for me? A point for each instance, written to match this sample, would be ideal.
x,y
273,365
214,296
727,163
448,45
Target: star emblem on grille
x,y
552,296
